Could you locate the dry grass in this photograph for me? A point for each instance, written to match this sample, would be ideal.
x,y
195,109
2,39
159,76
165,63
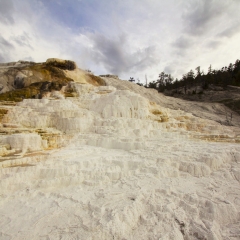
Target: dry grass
x,y
19,94
164,119
46,78
157,112
182,118
95,80
2,113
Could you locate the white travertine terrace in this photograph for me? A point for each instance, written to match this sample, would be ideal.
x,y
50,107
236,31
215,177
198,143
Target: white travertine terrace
x,y
127,168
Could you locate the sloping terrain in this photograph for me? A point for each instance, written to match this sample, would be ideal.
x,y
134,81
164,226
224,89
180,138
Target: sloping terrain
x,y
228,96
220,106
118,161
52,78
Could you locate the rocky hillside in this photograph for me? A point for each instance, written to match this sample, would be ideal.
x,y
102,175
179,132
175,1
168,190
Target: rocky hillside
x,y
53,78
228,96
113,160
212,104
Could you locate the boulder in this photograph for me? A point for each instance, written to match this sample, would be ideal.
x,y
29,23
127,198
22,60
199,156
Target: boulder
x,y
19,80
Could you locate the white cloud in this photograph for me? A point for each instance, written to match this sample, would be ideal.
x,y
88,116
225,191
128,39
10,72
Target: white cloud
x,y
130,38
6,8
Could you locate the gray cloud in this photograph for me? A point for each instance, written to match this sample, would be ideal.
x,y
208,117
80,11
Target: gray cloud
x,y
231,31
176,67
4,43
2,59
203,24
184,33
182,46
183,42
5,49
199,14
169,69
116,56
213,44
6,11
23,40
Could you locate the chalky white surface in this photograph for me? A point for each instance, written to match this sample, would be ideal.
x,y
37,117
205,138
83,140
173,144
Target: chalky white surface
x,y
126,173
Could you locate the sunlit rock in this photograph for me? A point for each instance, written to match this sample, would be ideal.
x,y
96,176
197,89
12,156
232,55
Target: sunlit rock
x,y
116,161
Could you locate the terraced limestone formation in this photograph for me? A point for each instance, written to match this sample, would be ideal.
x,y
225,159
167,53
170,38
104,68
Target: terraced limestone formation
x,y
118,162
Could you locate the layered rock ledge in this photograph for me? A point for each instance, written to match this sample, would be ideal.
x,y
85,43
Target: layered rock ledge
x,y
116,161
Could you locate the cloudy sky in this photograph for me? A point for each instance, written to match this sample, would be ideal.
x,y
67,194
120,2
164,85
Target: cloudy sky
x,y
130,38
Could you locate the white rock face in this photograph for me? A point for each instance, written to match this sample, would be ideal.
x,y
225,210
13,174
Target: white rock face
x,y
25,142
131,169
121,104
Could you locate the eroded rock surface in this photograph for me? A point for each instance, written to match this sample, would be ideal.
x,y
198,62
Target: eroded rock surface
x,y
53,78
117,162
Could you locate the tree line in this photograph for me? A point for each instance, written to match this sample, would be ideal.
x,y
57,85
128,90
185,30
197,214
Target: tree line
x,y
228,75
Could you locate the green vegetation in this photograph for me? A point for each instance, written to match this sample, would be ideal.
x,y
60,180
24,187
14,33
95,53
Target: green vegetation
x,y
193,86
64,65
225,76
18,94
